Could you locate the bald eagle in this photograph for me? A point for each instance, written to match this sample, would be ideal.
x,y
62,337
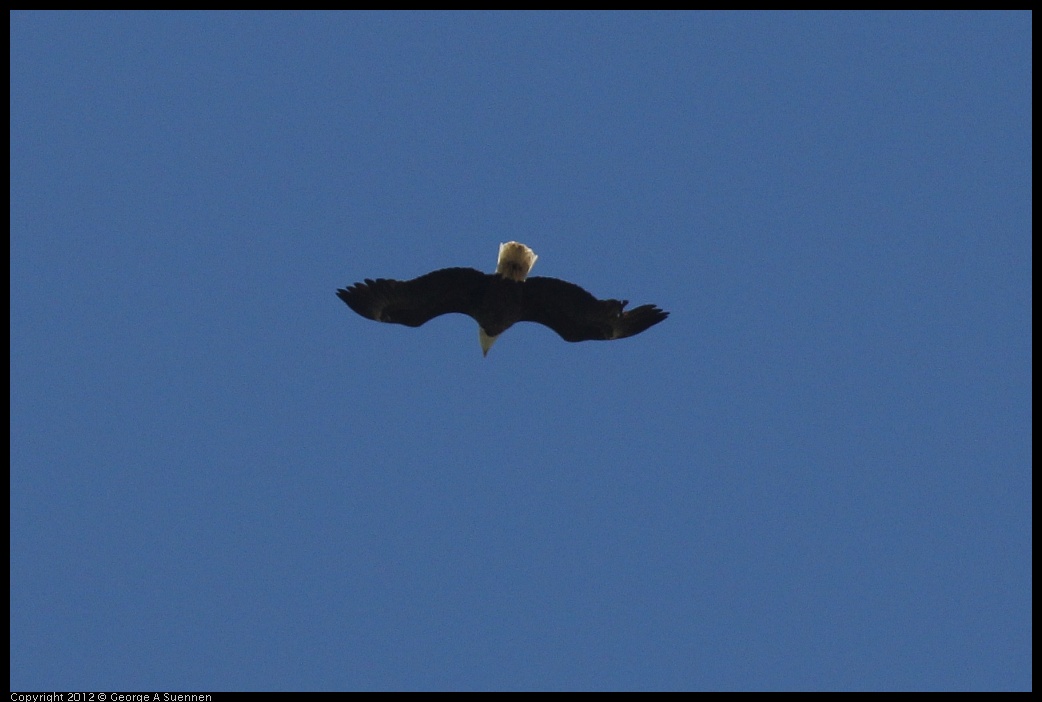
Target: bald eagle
x,y
497,301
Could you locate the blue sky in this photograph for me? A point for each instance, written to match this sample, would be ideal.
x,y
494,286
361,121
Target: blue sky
x,y
814,475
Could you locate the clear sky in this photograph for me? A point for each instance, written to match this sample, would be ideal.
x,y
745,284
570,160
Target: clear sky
x,y
814,475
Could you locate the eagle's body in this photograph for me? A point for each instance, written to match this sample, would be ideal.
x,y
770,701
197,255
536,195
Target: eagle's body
x,y
499,300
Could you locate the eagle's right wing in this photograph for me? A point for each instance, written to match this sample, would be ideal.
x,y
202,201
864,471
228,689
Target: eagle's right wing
x,y
414,302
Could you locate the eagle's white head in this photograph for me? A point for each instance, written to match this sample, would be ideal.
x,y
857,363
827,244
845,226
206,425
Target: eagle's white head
x,y
515,260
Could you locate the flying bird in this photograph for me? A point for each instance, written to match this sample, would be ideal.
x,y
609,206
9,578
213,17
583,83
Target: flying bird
x,y
497,301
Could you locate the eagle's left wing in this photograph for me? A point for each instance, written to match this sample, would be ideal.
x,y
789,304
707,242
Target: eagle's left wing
x,y
576,315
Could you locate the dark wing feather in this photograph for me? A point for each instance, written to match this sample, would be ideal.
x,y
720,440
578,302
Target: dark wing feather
x,y
414,302
576,315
